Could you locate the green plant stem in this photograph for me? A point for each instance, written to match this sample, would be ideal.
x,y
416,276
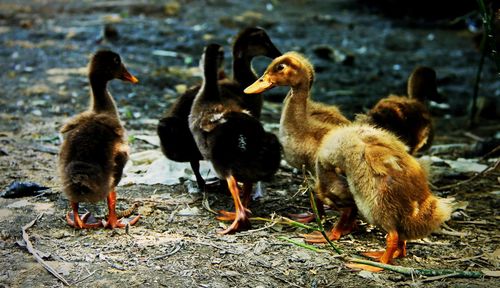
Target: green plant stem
x,y
320,225
303,245
416,271
478,80
488,34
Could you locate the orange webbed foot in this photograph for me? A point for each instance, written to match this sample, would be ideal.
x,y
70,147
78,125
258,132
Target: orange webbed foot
x,y
113,222
74,220
345,226
396,248
317,237
240,216
225,215
240,223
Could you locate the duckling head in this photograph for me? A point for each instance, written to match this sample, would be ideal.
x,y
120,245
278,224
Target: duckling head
x,y
292,69
422,84
254,41
106,65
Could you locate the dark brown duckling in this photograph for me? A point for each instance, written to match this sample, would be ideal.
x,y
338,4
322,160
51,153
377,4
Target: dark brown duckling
x,y
95,150
176,140
232,139
408,117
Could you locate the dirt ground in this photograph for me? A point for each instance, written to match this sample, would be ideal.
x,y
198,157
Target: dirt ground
x,y
45,46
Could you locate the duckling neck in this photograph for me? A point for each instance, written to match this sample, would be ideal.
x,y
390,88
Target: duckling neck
x,y
418,93
101,100
294,115
210,86
242,69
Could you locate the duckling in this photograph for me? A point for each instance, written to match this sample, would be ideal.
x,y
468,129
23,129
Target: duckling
x,y
95,150
301,130
358,167
232,139
176,140
408,117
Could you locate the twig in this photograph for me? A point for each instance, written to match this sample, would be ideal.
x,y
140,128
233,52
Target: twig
x,y
450,233
33,251
84,278
45,149
303,245
495,150
206,205
423,272
486,170
172,252
466,259
429,279
477,222
473,136
245,233
127,212
286,221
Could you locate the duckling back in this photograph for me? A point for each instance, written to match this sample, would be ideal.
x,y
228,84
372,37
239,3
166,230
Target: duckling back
x,y
241,147
177,142
87,156
388,185
407,118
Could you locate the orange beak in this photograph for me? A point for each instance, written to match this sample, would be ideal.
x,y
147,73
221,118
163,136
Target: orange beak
x,y
126,76
262,84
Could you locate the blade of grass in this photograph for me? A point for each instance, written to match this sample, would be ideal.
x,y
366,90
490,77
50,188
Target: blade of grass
x,y
320,225
303,245
416,271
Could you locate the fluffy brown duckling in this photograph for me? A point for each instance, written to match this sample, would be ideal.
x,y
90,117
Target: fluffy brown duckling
x,y
358,164
408,117
94,150
232,139
176,140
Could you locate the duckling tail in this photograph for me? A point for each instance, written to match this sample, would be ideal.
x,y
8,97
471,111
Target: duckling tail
x,y
426,217
85,182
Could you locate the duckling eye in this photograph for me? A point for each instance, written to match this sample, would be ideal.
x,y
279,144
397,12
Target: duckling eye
x,y
116,60
280,67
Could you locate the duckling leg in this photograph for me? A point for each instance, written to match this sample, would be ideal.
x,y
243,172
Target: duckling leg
x,y
112,221
392,250
346,224
79,222
401,251
195,166
241,221
246,195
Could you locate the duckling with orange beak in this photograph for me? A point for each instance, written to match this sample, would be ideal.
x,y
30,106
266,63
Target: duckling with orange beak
x,y
358,167
95,150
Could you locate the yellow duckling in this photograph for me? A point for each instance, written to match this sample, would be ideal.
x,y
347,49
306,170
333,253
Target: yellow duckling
x,y
358,167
